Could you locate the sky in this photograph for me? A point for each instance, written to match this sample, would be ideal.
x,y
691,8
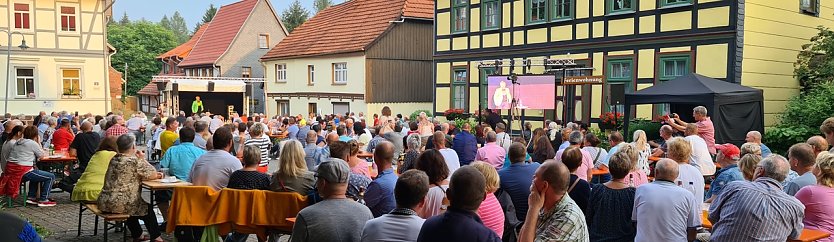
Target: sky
x,y
191,10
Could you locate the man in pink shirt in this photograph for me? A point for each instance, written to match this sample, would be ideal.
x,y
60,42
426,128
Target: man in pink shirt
x,y
585,169
706,130
492,153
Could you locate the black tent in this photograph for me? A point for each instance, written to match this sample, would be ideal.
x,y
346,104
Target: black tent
x,y
734,109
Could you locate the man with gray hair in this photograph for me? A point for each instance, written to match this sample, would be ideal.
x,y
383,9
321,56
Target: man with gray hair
x,y
706,130
313,153
666,133
818,143
802,160
491,153
758,210
501,138
756,138
664,211
201,139
585,169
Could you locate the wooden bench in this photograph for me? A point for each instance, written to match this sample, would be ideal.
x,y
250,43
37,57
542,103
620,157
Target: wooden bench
x,y
110,219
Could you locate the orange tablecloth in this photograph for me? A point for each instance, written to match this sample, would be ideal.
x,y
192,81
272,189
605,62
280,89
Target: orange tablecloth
x,y
599,172
808,235
248,211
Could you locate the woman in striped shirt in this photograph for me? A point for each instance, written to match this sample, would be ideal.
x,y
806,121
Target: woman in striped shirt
x,y
490,210
262,141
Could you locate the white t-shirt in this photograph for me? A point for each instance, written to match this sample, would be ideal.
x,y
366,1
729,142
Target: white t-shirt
x,y
452,160
504,140
434,202
664,211
689,174
392,227
700,155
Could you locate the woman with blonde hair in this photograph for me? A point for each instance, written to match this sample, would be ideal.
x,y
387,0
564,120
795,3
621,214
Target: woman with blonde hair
x,y
292,174
644,150
689,177
385,118
819,211
747,164
426,127
490,210
751,148
636,176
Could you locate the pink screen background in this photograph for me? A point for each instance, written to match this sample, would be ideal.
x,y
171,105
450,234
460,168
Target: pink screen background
x,y
533,92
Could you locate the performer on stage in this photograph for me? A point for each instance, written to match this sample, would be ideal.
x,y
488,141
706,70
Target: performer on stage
x,y
502,97
197,105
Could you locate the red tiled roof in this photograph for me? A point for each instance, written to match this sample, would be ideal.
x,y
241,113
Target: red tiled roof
x,y
419,9
149,90
220,33
184,49
347,27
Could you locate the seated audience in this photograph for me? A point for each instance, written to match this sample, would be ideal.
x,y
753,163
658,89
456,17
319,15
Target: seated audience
x,y
203,135
466,147
591,145
636,177
490,210
401,224
802,160
63,136
758,210
358,165
414,149
515,179
585,169
258,138
552,214
20,167
747,165
337,218
214,167
380,195
466,192
432,163
168,138
579,190
543,150
84,145
292,174
313,154
700,156
756,138
249,178
727,157
689,177
664,211
13,133
92,180
610,204
340,151
180,158
819,210
121,192
666,133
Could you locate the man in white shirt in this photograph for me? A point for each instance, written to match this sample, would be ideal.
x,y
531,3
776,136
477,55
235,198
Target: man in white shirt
x,y
401,224
451,157
700,156
216,123
663,211
501,138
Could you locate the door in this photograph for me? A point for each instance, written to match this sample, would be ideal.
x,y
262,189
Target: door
x,y
341,107
312,108
283,107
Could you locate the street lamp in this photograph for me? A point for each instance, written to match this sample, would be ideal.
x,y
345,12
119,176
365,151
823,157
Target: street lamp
x,y
22,46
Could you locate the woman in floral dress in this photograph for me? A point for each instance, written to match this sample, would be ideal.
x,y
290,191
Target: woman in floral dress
x,y
121,192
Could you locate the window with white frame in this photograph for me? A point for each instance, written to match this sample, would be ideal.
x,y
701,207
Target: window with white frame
x,y
311,74
340,73
263,41
25,80
68,18
71,80
246,72
21,16
280,72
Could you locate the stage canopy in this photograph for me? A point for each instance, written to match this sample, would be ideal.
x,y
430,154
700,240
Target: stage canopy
x,y
201,85
734,109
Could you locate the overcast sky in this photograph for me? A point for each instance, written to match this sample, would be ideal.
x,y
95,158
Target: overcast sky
x,y
191,10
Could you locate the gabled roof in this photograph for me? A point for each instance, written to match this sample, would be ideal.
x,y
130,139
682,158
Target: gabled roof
x,y
348,27
423,9
220,33
184,49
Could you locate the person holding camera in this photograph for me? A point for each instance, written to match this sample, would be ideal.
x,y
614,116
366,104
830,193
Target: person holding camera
x,y
706,130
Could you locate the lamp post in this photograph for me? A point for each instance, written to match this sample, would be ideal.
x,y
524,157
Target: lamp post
x,y
22,46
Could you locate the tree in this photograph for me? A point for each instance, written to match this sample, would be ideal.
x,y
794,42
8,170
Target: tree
x,y
179,28
294,16
165,23
139,43
815,63
125,19
207,17
322,4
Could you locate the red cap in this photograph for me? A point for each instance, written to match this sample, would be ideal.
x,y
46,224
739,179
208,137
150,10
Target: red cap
x,y
729,150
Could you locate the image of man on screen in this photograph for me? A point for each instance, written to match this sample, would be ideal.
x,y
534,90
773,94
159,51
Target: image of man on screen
x,y
502,97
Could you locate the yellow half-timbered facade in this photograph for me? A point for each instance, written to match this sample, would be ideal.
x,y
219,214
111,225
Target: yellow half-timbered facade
x,y
633,43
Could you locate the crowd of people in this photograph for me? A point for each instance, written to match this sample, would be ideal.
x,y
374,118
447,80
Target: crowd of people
x,y
427,180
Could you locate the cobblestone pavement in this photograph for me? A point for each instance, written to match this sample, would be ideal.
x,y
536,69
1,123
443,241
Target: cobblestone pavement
x,y
62,220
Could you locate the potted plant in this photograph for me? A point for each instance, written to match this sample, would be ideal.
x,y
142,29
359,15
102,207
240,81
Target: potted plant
x,y
611,121
455,114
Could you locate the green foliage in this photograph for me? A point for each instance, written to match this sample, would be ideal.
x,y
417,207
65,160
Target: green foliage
x,y
138,43
459,124
125,20
294,16
322,4
652,129
178,26
207,17
815,64
801,118
415,114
